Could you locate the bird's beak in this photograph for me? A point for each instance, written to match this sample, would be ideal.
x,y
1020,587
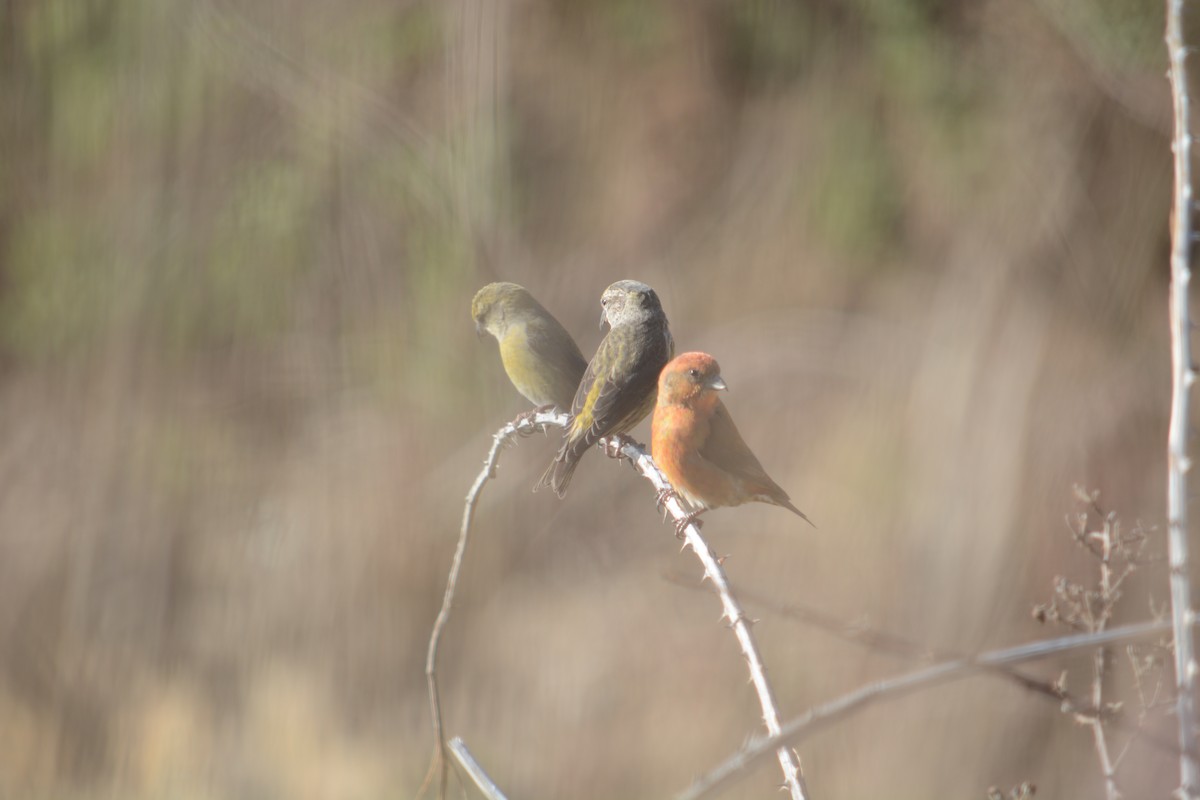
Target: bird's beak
x,y
718,384
479,330
603,320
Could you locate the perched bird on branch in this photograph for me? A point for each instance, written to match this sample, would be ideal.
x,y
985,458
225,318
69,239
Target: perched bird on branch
x,y
541,359
696,445
617,391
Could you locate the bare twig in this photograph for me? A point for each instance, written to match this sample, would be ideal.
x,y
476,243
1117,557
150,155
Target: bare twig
x,y
458,749
1183,376
823,715
642,462
1099,623
1144,668
523,425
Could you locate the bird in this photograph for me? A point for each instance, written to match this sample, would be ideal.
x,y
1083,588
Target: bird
x,y
617,390
695,444
540,357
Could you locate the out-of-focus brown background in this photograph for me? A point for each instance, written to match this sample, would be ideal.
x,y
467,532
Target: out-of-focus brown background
x,y
242,396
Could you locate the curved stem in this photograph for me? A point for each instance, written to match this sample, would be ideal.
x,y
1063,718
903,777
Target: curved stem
x,y
644,464
1183,376
521,426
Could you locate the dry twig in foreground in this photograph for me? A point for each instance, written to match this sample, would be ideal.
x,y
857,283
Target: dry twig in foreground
x,y
458,748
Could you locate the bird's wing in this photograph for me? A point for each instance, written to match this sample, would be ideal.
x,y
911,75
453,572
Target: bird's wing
x,y
562,362
551,342
588,382
601,393
726,448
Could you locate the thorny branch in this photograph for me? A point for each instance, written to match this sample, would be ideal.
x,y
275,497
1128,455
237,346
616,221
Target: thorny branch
x,y
1183,375
788,761
526,424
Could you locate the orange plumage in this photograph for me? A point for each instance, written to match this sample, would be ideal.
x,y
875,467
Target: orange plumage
x,y
696,445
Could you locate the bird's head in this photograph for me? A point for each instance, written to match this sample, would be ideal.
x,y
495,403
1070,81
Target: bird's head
x,y
627,301
690,377
497,304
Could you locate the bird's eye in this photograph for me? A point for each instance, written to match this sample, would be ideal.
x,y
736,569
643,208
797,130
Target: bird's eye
x,y
604,302
695,373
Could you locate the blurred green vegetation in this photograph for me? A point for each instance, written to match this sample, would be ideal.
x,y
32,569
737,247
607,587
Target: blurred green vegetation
x,y
1119,31
61,285
246,219
856,206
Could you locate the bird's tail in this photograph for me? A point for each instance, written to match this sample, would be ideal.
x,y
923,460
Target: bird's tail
x,y
788,505
558,475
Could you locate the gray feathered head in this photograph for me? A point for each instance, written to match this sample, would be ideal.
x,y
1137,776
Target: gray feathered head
x,y
628,301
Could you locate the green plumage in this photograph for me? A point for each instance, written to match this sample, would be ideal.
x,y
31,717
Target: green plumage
x,y
540,357
621,382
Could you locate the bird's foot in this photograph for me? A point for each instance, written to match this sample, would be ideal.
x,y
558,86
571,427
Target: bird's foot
x,y
664,494
613,444
691,518
525,421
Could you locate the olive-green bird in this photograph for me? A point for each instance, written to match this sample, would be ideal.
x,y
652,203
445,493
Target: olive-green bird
x,y
621,382
541,359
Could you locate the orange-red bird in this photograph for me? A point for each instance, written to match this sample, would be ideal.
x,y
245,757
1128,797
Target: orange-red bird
x,y
696,445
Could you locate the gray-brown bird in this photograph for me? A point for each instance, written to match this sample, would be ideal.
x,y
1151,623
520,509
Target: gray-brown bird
x,y
696,445
541,359
618,388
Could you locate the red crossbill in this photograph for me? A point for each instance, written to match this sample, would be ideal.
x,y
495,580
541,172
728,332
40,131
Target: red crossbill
x,y
696,445
541,359
617,391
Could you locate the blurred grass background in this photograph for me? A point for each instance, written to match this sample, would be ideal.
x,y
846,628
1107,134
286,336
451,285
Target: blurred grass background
x,y
242,397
